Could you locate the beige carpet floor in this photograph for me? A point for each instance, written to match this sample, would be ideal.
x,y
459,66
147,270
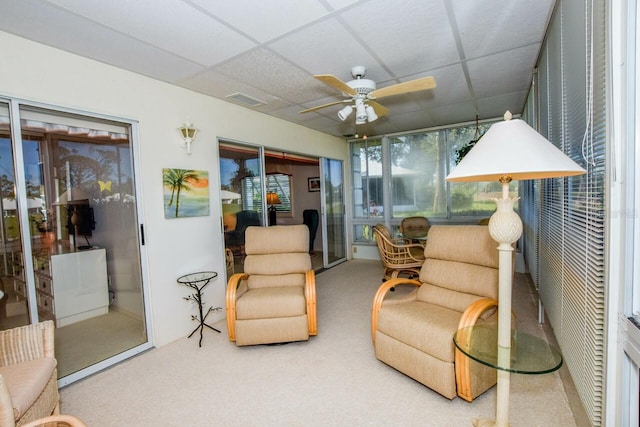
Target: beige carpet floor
x,y
333,379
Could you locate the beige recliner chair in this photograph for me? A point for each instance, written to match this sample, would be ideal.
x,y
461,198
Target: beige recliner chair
x,y
457,287
274,300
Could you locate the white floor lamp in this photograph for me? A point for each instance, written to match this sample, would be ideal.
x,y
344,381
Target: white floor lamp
x,y
509,150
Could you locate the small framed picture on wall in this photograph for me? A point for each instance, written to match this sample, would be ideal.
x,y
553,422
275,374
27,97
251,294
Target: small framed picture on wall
x,y
313,184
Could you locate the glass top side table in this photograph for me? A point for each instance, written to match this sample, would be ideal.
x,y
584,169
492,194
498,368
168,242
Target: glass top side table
x,y
197,282
529,354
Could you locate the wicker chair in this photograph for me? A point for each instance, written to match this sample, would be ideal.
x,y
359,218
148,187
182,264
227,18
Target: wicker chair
x,y
28,386
458,287
398,256
274,300
414,226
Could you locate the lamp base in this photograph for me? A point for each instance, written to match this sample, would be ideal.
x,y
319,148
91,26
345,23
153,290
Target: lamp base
x,y
272,215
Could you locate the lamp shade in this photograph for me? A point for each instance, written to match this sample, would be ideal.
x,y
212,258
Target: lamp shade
x,y
513,149
272,198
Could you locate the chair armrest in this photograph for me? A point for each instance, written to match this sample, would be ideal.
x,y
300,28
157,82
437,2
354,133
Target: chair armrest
x,y
462,361
310,297
378,299
58,421
475,310
232,286
7,417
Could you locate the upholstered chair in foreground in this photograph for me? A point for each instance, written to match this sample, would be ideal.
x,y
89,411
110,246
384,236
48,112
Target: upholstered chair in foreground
x,y
398,256
28,374
59,420
274,300
457,287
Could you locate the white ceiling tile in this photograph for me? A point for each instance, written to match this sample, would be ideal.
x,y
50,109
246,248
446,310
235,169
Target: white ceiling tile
x,y
339,4
462,112
496,106
504,72
409,38
275,17
172,25
327,48
52,26
280,77
492,26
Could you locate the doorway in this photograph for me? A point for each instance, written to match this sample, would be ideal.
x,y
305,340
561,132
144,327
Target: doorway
x,y
291,187
70,248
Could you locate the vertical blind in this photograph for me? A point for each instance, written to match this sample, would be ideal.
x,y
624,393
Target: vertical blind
x,y
565,233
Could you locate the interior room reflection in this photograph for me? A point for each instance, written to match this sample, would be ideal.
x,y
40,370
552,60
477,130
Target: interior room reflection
x,y
82,234
287,196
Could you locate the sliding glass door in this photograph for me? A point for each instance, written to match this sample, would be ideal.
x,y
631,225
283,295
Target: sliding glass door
x,y
241,194
70,241
333,220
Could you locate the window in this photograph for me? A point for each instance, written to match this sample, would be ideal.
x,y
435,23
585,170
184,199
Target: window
x,y
404,175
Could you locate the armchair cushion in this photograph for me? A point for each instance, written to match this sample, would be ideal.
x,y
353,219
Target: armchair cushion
x,y
257,281
420,327
265,303
26,381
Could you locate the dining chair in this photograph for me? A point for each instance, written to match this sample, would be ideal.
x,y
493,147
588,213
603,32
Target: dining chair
x,y
398,256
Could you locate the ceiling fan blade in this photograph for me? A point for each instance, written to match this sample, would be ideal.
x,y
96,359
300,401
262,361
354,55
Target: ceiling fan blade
x,y
324,105
406,87
380,109
335,82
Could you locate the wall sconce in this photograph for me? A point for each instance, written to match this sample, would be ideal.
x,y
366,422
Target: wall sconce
x,y
188,134
272,199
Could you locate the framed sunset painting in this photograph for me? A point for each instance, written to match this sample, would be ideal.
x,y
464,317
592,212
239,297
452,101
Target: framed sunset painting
x,y
185,193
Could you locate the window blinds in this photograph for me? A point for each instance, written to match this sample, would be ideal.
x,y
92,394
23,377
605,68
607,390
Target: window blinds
x,y
568,251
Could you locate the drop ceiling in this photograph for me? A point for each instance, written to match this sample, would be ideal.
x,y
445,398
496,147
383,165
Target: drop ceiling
x,y
481,52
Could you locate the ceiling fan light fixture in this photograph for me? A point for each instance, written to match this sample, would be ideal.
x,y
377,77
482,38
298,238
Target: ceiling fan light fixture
x,y
345,112
361,114
371,113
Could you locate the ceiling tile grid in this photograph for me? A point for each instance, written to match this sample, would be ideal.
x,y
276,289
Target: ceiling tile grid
x,y
481,53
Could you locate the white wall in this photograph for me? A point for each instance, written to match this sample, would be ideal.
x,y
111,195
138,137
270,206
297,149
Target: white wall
x,y
34,72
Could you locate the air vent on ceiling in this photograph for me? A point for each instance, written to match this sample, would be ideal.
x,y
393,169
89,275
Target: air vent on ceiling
x,y
245,99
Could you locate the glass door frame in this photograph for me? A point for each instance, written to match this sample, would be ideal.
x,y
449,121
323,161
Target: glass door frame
x,y
326,197
23,217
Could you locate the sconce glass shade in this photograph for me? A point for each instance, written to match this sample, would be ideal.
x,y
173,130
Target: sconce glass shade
x,y
188,134
345,112
272,198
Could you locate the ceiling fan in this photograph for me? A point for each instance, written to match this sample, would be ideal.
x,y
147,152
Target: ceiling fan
x,y
362,93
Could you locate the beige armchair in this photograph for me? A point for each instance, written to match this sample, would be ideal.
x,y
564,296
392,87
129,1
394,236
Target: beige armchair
x,y
457,287
398,256
28,374
274,300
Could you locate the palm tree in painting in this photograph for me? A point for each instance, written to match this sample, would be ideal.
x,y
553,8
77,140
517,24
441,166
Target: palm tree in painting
x,y
179,180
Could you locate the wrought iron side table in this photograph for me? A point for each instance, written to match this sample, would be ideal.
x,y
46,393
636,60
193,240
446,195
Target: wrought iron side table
x,y
197,282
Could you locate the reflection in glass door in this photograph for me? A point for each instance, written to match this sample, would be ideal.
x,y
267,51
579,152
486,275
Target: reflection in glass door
x,y
70,234
333,211
241,194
